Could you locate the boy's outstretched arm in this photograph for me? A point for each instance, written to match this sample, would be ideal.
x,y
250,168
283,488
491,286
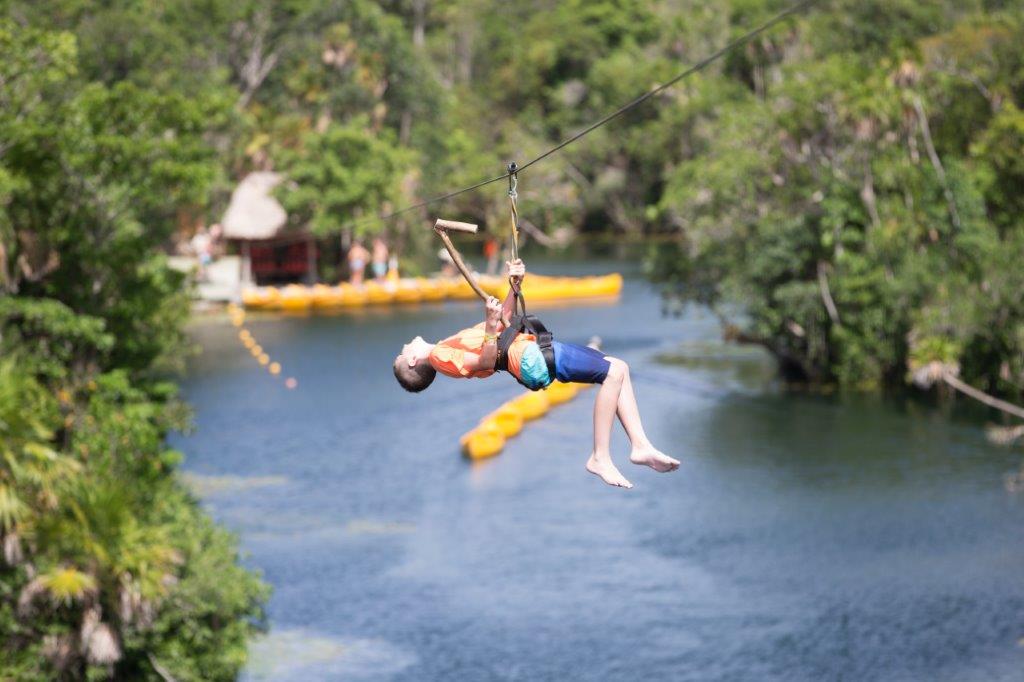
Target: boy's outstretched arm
x,y
497,317
516,272
489,351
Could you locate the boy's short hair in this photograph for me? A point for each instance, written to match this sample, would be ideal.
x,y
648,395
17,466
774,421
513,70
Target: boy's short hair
x,y
416,378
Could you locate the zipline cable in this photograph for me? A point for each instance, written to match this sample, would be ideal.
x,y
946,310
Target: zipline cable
x,y
427,202
699,66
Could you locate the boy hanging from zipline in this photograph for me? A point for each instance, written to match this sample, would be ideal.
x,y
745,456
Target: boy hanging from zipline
x,y
497,344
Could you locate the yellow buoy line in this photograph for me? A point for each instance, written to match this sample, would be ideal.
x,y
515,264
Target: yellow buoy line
x,y
237,316
490,435
301,298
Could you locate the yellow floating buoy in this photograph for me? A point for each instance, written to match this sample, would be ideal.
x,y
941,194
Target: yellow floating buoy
x,y
493,285
300,298
541,288
505,419
531,405
482,442
323,296
408,291
341,296
295,298
256,350
275,368
431,289
559,392
375,293
352,296
263,359
459,289
261,299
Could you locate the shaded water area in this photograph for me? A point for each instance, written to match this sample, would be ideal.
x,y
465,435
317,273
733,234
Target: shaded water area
x,y
804,538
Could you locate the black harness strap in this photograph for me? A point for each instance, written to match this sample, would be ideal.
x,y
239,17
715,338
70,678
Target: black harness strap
x,y
522,323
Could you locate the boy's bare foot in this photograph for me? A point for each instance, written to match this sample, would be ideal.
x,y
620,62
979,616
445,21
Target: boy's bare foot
x,y
657,460
606,470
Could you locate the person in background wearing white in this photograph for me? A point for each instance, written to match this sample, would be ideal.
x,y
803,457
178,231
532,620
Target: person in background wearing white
x,y
201,243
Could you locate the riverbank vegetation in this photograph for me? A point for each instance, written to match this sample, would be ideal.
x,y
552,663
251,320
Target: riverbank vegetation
x,y
850,180
108,568
855,195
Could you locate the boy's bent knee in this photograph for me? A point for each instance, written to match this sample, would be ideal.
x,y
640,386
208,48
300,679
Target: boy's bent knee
x,y
617,369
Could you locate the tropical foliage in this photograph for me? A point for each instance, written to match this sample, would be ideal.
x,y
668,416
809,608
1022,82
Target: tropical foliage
x,y
844,190
850,178
108,568
855,197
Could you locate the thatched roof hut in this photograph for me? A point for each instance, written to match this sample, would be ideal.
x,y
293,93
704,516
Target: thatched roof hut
x,y
256,220
254,213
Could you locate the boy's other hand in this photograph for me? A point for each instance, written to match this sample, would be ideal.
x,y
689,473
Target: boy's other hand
x,y
516,270
493,319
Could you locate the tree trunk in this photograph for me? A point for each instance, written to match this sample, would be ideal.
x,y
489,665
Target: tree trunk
x,y
982,397
933,156
419,23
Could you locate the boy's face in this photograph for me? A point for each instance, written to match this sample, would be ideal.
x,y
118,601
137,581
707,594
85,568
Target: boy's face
x,y
415,350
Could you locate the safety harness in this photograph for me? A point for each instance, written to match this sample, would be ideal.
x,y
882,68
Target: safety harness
x,y
521,322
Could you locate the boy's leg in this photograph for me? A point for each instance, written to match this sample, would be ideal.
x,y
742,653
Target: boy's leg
x,y
605,406
615,397
629,414
587,365
628,411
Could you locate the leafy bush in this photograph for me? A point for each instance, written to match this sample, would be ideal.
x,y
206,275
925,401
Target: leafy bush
x,y
108,569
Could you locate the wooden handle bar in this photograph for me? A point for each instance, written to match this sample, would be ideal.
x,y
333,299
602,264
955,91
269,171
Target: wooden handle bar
x,y
441,230
441,227
454,225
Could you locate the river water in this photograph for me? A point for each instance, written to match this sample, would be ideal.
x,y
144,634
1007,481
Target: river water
x,y
805,537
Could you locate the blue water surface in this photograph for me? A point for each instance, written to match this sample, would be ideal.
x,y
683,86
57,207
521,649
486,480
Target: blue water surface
x,y
805,537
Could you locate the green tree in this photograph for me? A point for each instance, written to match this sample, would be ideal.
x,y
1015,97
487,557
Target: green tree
x,y
857,204
341,175
98,535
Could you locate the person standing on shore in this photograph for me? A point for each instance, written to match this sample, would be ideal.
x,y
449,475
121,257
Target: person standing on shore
x,y
380,259
357,259
491,254
201,245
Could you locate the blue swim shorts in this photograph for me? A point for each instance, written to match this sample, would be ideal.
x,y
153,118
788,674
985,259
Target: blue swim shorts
x,y
579,363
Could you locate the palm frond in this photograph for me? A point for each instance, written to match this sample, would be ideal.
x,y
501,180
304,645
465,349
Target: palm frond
x,y
12,508
66,586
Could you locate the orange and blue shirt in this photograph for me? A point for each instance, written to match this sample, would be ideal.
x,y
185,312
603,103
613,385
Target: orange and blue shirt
x,y
449,356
